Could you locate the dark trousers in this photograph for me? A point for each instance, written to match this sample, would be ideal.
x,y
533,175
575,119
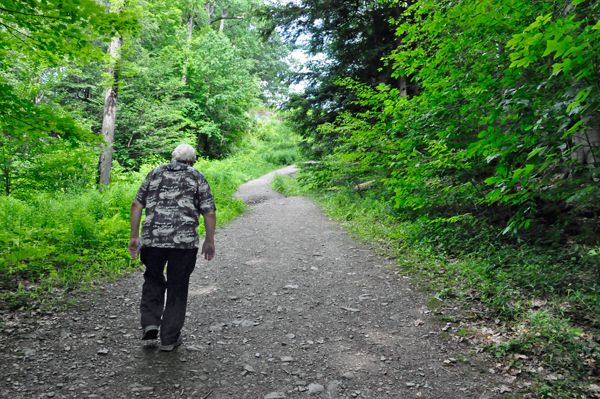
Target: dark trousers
x,y
169,317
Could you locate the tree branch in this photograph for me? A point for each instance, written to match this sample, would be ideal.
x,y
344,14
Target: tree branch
x,y
233,25
210,10
17,119
223,18
20,33
32,15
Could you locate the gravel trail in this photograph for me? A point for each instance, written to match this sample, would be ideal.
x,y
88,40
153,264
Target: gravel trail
x,y
291,307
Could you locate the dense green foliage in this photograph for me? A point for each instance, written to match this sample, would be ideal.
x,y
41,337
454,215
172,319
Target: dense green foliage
x,y
37,38
502,119
504,130
56,240
475,126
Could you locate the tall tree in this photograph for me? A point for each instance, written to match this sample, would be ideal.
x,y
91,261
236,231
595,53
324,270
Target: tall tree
x,y
343,38
226,74
110,110
45,36
190,31
194,83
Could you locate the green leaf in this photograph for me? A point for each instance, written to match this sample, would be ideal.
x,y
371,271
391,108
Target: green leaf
x,y
535,152
552,45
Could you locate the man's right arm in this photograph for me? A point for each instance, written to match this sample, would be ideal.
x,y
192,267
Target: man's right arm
x,y
210,223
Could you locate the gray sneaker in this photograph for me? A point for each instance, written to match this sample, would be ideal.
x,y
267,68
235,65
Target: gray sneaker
x,y
169,348
150,332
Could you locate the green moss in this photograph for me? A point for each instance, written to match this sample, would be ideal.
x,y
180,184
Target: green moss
x,y
434,303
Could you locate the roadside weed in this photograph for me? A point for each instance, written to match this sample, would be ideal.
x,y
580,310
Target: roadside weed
x,y
287,186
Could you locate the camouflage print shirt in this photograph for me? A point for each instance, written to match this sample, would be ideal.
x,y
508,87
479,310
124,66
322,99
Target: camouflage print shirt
x,y
174,195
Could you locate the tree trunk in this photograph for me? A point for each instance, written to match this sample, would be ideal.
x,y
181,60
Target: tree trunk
x,y
110,112
203,144
7,178
402,84
210,10
588,142
188,45
224,16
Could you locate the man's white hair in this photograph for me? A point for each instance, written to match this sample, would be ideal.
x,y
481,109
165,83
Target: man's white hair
x,y
185,153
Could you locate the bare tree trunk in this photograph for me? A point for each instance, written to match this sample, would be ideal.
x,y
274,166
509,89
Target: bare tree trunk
x,y
110,112
188,45
402,85
224,16
203,144
7,178
210,10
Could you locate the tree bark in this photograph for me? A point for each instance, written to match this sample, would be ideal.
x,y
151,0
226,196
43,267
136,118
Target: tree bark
x,y
203,144
210,10
402,86
188,45
110,112
223,16
6,161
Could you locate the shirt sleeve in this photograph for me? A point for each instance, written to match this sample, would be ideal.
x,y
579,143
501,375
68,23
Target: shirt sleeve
x,y
206,201
142,192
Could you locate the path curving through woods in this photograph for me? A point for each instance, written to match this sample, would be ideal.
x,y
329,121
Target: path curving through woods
x,y
291,307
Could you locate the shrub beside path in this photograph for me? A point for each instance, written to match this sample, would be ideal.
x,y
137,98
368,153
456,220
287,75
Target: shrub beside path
x,y
290,307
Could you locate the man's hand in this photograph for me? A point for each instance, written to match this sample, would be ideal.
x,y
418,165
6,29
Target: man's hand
x,y
208,250
134,247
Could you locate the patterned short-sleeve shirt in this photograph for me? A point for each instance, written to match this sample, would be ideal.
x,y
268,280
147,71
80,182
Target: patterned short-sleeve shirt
x,y
174,195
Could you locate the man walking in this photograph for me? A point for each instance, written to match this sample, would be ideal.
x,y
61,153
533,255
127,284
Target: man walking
x,y
174,195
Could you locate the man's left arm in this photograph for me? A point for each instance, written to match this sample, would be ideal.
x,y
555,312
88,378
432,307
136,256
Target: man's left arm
x,y
134,235
138,205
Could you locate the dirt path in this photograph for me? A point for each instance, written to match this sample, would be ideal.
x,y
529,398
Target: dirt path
x,y
290,307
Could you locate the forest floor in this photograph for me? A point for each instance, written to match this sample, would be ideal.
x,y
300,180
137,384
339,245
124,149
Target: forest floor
x,y
290,307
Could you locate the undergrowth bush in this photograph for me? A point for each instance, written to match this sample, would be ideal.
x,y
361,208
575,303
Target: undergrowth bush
x,y
57,239
287,186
